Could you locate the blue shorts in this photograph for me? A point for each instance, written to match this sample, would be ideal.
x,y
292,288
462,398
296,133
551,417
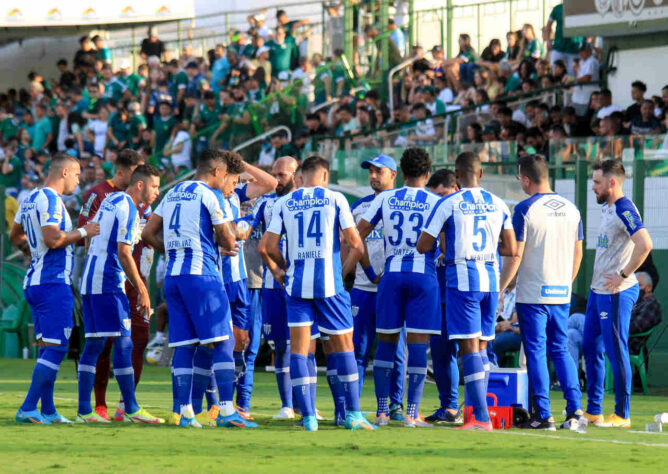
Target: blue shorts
x,y
239,297
106,315
332,315
275,316
51,306
408,298
470,314
199,311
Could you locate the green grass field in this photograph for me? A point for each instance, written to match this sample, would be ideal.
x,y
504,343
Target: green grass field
x,y
280,447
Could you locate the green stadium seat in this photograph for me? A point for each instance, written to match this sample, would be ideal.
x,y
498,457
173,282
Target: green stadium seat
x,y
637,361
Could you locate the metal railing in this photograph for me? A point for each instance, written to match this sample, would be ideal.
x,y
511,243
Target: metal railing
x,y
394,70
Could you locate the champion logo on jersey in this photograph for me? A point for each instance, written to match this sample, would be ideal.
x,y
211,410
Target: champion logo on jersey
x,y
477,207
554,204
403,205
306,203
181,196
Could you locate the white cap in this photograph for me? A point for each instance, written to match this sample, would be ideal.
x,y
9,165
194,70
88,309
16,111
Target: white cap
x,y
124,64
260,50
283,76
260,17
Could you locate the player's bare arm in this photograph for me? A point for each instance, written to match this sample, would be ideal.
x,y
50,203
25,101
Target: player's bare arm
x,y
272,256
152,233
511,264
262,182
226,235
18,237
642,247
508,244
425,242
131,271
54,238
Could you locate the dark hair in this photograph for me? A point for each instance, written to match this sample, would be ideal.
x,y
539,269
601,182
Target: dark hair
x,y
467,162
234,161
558,129
533,167
209,95
69,143
534,132
207,161
444,177
605,93
314,162
610,167
312,116
418,106
415,162
142,172
127,159
494,42
373,94
60,160
505,111
641,86
62,62
280,13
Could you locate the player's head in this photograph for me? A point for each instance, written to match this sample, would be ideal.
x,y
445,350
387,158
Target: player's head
x,y
212,168
415,165
315,171
66,168
443,183
146,181
235,166
468,170
126,162
532,171
382,172
285,170
608,179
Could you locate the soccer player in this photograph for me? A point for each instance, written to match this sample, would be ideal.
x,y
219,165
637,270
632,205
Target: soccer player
x,y
106,311
273,295
312,219
42,229
622,246
473,219
382,173
125,164
193,223
549,234
408,289
443,350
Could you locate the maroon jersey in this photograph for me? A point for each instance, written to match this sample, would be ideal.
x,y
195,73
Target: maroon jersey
x,y
92,201
143,257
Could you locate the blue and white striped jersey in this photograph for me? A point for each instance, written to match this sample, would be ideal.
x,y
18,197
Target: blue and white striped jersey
x,y
403,212
119,223
190,211
261,219
234,268
375,245
472,220
44,207
311,218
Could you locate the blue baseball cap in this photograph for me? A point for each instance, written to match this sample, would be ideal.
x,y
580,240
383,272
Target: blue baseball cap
x,y
381,161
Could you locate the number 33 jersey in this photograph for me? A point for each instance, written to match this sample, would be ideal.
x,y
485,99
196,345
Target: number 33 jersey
x,y
404,212
472,220
311,219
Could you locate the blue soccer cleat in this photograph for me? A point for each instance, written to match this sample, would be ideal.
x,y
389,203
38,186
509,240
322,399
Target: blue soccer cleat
x,y
32,416
57,418
396,412
310,423
189,422
442,415
355,420
234,421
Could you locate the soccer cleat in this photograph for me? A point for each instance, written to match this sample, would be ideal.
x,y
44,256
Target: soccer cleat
x,y
539,424
102,412
310,423
318,415
174,419
597,420
355,420
396,412
572,417
616,421
142,416
32,416
57,418
442,415
234,421
286,413
475,425
382,420
245,414
185,422
417,422
92,417
119,415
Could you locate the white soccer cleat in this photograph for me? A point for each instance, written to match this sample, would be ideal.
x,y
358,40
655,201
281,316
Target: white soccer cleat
x,y
286,413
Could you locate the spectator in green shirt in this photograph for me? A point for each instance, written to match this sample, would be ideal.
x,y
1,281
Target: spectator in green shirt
x,y
9,126
179,80
43,133
118,132
281,50
10,168
138,124
461,67
113,88
566,49
205,121
241,128
130,79
222,133
162,128
531,48
103,53
323,79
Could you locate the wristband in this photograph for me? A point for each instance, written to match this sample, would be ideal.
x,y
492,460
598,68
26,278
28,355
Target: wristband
x,y
83,232
622,274
370,274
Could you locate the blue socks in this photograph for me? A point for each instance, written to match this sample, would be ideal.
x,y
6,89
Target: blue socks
x,y
175,400
382,369
202,362
282,366
474,381
182,367
44,379
223,369
299,374
86,372
313,377
346,368
124,373
211,393
417,371
335,386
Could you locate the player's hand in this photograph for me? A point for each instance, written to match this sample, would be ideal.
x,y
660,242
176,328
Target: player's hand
x,y
92,229
614,282
279,276
500,307
231,253
241,338
377,280
144,301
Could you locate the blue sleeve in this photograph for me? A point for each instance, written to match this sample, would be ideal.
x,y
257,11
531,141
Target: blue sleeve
x,y
241,192
628,214
519,222
581,234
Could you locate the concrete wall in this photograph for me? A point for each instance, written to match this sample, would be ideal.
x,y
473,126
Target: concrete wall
x,y
646,64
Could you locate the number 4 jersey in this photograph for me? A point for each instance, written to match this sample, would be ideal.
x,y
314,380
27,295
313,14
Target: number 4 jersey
x,y
311,218
404,212
472,220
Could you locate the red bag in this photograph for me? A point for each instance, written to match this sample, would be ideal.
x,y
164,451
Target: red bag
x,y
501,417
